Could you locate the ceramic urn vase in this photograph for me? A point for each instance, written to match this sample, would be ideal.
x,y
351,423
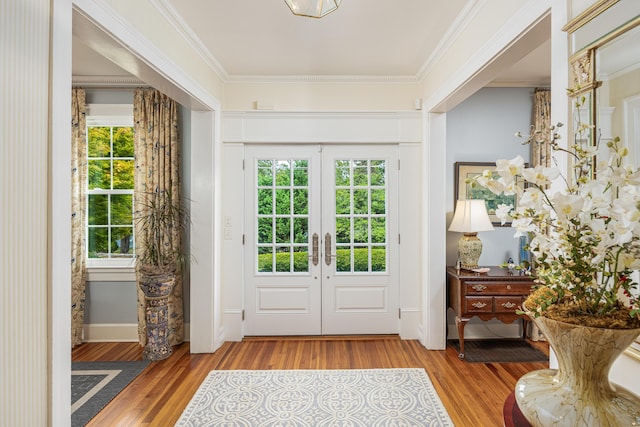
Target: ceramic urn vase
x,y
157,288
579,393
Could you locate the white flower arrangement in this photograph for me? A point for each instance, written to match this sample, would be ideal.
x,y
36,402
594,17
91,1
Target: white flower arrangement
x,y
585,238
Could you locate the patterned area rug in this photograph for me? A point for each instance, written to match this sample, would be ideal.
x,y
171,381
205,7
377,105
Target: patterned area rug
x,y
94,384
500,351
354,397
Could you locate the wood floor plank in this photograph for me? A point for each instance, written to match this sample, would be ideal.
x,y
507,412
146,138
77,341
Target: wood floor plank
x,y
473,393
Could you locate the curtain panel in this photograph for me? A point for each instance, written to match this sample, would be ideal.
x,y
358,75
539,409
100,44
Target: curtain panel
x,y
541,155
78,213
541,152
157,168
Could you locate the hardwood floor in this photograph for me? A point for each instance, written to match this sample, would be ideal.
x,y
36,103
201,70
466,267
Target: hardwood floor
x,y
473,393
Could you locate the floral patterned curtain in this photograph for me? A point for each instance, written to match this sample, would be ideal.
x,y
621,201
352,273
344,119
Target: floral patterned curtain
x,y
157,161
78,214
541,155
541,152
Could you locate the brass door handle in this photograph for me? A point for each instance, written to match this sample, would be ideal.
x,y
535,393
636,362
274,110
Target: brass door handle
x,y
327,249
314,249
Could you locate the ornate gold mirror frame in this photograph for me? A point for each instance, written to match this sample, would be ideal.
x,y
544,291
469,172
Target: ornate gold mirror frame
x,y
584,31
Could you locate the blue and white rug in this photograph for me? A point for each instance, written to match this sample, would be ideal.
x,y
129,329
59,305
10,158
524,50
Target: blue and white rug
x,y
94,384
314,398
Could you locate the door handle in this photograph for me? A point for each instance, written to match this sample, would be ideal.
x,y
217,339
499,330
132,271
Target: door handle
x,y
327,249
314,249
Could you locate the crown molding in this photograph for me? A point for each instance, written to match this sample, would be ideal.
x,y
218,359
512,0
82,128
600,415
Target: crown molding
x,y
351,79
153,62
520,83
463,19
173,17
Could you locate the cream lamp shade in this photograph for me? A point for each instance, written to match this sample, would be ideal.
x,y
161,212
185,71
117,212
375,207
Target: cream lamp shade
x,y
469,218
312,8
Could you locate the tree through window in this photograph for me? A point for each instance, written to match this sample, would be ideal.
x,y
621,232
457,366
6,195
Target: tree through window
x,y
110,192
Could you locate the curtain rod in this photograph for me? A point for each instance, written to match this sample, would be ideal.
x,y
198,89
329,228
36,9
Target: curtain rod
x,y
98,87
107,82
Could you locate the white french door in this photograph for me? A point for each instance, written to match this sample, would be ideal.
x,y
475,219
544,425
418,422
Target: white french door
x,y
321,248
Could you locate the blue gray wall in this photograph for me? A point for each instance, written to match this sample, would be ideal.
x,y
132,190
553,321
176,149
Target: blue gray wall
x,y
116,302
482,129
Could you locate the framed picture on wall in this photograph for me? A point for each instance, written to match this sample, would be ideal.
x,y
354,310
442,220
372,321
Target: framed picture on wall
x,y
463,191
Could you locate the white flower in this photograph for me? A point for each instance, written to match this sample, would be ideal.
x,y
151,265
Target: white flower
x,y
567,206
503,212
586,238
509,169
533,198
495,185
540,175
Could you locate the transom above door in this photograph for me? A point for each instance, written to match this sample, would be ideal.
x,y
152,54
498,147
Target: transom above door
x,y
321,240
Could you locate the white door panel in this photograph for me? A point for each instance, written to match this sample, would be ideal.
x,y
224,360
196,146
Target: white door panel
x,y
359,215
282,284
345,280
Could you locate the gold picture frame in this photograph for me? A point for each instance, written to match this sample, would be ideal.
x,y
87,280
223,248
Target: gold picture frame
x,y
463,191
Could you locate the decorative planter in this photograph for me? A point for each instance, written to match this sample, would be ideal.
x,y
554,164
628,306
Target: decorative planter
x,y
157,289
579,393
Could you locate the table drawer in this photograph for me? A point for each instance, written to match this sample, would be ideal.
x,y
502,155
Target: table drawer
x,y
479,304
507,304
501,288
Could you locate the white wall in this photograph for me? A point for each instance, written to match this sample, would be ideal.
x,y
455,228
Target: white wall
x,y
334,127
309,95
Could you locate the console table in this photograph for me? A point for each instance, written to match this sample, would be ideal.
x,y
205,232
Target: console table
x,y
495,294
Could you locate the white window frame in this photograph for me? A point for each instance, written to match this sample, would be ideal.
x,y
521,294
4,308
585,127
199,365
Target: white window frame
x,y
111,269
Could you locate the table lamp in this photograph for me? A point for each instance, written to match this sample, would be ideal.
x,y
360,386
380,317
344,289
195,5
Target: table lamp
x,y
470,217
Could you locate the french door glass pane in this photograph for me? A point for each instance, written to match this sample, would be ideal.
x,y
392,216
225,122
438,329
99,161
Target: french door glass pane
x,y
282,222
360,210
265,259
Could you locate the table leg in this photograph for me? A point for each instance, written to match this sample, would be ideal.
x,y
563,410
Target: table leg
x,y
460,324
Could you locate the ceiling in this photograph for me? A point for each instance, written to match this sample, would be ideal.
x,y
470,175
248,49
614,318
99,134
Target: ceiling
x,y
363,38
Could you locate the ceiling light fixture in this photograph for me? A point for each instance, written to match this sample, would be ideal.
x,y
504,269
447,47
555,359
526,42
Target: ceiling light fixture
x,y
312,8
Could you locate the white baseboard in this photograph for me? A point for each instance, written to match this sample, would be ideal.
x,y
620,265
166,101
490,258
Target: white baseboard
x,y
118,332
410,323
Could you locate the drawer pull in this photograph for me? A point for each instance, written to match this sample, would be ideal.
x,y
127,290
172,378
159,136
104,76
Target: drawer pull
x,y
479,304
508,305
479,288
509,287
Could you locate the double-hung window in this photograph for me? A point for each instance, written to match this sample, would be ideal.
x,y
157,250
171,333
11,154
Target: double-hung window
x,y
110,166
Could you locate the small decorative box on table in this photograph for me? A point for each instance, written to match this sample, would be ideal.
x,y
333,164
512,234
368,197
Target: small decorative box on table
x,y
494,294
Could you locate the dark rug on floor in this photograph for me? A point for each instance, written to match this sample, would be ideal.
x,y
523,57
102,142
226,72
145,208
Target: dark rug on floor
x,y
499,351
94,384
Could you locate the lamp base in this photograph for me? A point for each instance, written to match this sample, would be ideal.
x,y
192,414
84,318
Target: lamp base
x,y
469,250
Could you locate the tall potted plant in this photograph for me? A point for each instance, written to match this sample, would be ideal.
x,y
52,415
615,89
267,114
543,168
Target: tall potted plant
x,y
159,260
585,240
